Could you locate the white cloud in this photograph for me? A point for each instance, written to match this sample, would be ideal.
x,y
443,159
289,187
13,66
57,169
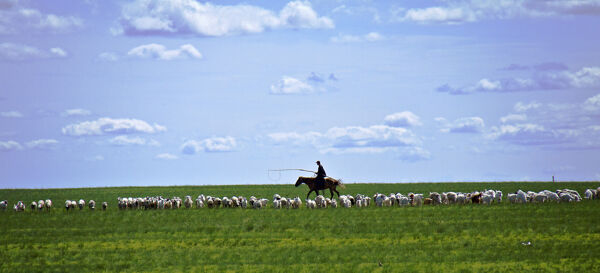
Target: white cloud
x,y
59,52
152,17
593,103
16,52
214,144
457,12
166,156
359,10
513,117
414,154
160,52
525,134
402,119
440,15
111,126
288,85
11,114
124,140
567,126
43,144
76,112
463,125
314,83
18,19
369,37
521,107
586,77
108,57
353,139
10,145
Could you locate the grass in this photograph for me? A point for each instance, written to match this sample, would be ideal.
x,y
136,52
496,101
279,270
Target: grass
x,y
564,237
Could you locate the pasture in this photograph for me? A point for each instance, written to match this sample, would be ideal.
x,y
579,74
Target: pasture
x,y
548,237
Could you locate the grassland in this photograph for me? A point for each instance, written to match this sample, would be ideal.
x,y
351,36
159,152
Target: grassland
x,y
471,238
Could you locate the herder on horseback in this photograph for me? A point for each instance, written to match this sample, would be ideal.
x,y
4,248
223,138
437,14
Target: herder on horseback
x,y
320,179
320,182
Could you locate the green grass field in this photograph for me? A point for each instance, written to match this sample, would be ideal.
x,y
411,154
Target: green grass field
x,y
564,237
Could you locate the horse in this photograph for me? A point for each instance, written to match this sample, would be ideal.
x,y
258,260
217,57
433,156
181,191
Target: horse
x,y
311,182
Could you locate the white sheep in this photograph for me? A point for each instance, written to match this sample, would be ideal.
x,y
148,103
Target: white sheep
x,y
276,204
540,197
297,203
320,201
499,196
552,196
521,197
3,204
334,203
92,204
188,202
33,206
589,194
487,199
19,206
235,201
48,204
81,204
104,205
257,204
436,198
243,202
417,199
311,204
512,198
40,205
199,203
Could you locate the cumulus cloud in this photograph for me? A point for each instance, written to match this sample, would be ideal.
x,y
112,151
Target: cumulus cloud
x,y
466,11
570,126
160,52
210,145
11,114
104,126
541,80
462,125
166,156
42,144
16,52
356,139
124,140
314,83
369,37
15,18
10,145
76,112
190,17
402,119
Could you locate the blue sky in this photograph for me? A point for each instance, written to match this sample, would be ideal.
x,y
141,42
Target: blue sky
x,y
111,93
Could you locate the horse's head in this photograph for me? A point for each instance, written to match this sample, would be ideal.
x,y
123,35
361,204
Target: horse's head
x,y
299,181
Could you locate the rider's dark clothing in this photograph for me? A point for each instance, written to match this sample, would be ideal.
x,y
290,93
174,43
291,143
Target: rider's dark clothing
x,y
321,177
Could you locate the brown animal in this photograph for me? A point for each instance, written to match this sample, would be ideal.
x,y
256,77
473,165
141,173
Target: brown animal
x,y
476,198
330,184
428,201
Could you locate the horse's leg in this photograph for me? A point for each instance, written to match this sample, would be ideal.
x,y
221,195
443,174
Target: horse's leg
x,y
307,195
331,192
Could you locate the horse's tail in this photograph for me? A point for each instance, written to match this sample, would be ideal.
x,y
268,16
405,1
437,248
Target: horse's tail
x,y
338,182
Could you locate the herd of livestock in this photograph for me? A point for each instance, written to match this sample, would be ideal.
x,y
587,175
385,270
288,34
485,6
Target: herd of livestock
x,y
485,197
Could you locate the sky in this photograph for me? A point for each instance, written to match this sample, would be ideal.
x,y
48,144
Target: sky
x,y
185,92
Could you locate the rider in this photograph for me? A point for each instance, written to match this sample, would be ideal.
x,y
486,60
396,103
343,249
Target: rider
x,y
320,176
